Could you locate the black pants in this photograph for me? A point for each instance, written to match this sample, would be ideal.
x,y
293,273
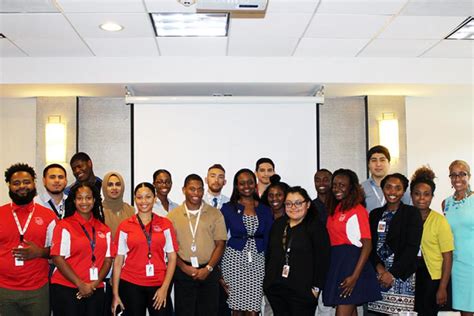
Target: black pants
x,y
425,292
137,299
65,302
285,303
200,298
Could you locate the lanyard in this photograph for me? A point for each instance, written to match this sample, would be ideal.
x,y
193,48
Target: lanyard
x,y
22,231
91,240
287,246
191,228
147,234
381,200
59,213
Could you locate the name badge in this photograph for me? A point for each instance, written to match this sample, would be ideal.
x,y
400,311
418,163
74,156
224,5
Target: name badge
x,y
93,274
381,227
150,270
195,262
18,262
286,271
249,255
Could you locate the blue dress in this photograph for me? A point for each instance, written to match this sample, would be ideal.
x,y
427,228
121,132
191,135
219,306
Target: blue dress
x,y
460,215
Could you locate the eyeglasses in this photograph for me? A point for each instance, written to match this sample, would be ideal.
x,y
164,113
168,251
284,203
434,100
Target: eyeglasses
x,y
457,175
298,204
159,182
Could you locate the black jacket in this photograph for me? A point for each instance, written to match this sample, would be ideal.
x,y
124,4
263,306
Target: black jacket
x,y
404,237
308,260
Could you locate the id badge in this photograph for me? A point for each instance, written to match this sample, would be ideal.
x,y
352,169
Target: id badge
x,y
381,227
18,262
93,274
150,270
286,271
249,256
194,262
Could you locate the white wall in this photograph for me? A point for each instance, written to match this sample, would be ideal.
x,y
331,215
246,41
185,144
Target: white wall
x,y
17,137
439,130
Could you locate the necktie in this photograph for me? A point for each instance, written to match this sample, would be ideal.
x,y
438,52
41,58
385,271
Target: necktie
x,y
214,202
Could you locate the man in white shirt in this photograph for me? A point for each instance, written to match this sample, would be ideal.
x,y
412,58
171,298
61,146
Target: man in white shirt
x,y
215,182
54,181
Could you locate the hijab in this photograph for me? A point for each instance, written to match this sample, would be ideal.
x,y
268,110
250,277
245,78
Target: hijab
x,y
115,210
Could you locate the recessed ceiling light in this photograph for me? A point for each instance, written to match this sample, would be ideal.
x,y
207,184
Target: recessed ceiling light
x,y
463,32
190,24
111,27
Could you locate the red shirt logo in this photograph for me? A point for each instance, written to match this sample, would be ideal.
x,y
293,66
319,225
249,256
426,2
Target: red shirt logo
x,y
157,228
39,221
101,235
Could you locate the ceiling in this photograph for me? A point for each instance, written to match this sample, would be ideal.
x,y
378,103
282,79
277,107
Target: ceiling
x,y
297,28
56,48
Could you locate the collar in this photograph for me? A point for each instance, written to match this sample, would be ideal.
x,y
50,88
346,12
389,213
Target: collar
x,y
81,219
203,207
46,198
211,196
22,208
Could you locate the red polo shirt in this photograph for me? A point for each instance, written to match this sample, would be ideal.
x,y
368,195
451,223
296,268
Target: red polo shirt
x,y
34,273
348,227
70,241
132,243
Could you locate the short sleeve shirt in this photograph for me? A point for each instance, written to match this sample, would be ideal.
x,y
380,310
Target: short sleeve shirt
x,y
34,273
349,227
131,242
71,242
210,229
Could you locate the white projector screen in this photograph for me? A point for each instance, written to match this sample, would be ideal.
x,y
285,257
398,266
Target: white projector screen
x,y
188,138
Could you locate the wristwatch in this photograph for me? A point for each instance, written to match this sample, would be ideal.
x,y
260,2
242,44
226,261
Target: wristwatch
x,y
209,268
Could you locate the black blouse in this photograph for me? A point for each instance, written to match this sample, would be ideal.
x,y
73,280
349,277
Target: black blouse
x,y
308,258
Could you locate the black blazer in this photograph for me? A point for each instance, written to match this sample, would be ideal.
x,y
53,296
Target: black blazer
x,y
309,257
404,237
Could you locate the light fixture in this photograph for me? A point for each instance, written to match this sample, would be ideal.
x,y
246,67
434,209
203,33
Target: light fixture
x,y
190,24
388,134
55,140
465,31
111,27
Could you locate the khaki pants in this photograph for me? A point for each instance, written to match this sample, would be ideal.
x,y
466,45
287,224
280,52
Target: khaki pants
x,y
25,303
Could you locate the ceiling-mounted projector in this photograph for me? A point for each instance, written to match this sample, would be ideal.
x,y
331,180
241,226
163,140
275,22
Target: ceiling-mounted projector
x,y
231,5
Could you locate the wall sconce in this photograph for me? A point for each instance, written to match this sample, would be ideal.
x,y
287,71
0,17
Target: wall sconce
x,y
388,134
55,140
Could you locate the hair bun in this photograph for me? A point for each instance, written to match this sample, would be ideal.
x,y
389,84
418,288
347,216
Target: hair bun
x,y
275,179
424,173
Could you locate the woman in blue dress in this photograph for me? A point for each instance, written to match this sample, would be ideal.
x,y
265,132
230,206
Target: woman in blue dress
x,y
459,210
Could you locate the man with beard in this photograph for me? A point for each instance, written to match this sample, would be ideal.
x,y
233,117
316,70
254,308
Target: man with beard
x,y
215,182
25,237
322,184
81,165
54,181
264,169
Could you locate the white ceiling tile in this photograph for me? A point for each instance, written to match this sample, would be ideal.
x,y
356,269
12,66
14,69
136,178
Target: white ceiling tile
x,y
365,7
129,6
291,6
260,47
396,48
452,49
421,27
7,6
122,47
326,47
135,24
168,6
39,25
7,49
345,26
48,47
439,8
276,24
192,46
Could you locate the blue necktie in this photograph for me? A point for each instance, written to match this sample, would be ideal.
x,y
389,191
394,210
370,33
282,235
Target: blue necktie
x,y
214,202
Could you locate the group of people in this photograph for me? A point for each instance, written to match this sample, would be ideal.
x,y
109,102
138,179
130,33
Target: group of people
x,y
375,247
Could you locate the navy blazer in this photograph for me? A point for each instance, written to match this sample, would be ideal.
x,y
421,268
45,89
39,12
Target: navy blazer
x,y
236,232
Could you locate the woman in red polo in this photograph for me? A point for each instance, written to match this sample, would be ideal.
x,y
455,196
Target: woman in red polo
x,y
81,251
141,277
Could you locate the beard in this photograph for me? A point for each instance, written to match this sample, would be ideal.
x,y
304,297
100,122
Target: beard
x,y
54,191
22,200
